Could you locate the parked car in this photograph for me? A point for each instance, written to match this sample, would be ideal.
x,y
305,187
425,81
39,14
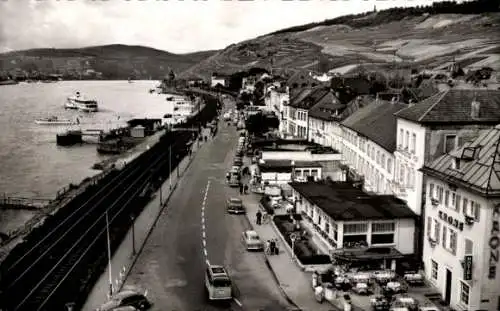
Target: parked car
x,y
125,308
128,297
380,303
238,161
361,288
235,206
252,241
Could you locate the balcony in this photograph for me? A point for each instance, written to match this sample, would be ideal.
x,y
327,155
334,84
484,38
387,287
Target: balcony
x,y
434,202
405,151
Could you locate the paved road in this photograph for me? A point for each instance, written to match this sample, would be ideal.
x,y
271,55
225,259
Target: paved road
x,y
172,264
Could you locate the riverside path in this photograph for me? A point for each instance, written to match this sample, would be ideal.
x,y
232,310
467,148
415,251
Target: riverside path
x,y
195,228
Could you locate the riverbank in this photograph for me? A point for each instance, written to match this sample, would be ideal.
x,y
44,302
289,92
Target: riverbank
x,y
8,82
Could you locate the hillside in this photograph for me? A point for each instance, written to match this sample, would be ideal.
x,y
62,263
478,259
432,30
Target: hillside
x,y
113,61
411,37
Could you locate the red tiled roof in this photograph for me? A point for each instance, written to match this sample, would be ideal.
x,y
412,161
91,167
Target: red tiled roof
x,y
479,168
454,106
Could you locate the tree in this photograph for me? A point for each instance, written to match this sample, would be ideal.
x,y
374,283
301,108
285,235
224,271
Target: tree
x,y
259,124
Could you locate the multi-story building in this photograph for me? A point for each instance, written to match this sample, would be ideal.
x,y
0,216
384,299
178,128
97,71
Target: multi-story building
x,y
277,99
433,127
374,230
462,226
219,79
369,143
323,118
298,109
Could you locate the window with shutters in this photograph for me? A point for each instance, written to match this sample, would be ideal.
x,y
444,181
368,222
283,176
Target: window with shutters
x,y
453,241
401,137
440,194
464,293
429,226
434,270
446,198
407,139
413,143
453,196
468,247
431,191
445,232
457,203
437,227
389,165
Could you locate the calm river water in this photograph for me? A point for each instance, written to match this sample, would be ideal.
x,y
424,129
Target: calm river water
x,y
31,164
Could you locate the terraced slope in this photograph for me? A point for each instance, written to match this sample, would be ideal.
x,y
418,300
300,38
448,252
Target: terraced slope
x,y
424,40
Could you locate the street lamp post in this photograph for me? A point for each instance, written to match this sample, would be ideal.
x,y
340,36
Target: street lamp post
x,y
161,191
133,234
293,237
170,166
178,164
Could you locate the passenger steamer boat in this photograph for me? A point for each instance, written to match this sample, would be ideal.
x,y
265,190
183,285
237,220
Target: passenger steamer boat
x,y
81,103
184,107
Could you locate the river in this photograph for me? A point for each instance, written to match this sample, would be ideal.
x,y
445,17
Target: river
x,y
31,164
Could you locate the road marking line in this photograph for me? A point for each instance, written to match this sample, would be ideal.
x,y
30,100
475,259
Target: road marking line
x,y
204,235
205,252
204,243
207,262
203,223
237,302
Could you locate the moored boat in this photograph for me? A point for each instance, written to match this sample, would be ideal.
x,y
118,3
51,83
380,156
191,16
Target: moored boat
x,y
53,120
81,103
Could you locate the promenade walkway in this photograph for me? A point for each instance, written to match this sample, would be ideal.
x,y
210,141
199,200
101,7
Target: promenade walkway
x,y
130,248
295,283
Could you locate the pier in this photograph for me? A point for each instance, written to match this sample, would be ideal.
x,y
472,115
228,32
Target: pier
x,y
7,202
63,255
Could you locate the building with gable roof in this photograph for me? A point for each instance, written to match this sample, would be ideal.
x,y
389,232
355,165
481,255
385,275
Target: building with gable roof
x,y
298,109
462,223
436,126
369,143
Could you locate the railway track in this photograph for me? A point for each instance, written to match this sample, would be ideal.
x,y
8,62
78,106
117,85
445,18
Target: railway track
x,y
48,273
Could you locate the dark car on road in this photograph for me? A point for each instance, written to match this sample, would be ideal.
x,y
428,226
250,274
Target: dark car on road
x,y
127,298
235,206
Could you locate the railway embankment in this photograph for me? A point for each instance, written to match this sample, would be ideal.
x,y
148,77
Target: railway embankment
x,y
64,254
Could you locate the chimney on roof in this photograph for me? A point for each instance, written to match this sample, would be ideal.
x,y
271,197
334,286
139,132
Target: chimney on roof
x,y
474,111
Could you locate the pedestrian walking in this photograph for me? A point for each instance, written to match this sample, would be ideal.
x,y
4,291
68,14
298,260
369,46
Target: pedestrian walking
x,y
258,217
272,247
241,188
245,189
228,176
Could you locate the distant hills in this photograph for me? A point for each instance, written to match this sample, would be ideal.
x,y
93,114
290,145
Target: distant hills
x,y
114,61
425,36
415,37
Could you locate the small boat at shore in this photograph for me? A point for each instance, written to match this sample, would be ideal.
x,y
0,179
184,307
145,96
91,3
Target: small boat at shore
x,y
81,103
53,120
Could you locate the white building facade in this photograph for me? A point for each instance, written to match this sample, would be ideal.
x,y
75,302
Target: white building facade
x,y
461,246
462,224
409,156
370,160
356,233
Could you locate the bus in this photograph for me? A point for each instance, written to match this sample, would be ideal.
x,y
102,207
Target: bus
x,y
217,283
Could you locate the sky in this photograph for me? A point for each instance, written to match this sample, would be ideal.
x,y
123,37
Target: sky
x,y
172,25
